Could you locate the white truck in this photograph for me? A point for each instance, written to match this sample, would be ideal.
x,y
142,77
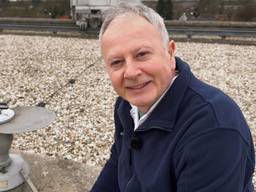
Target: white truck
x,y
88,13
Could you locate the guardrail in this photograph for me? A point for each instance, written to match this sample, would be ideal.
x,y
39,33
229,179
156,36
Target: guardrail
x,y
33,24
187,28
209,28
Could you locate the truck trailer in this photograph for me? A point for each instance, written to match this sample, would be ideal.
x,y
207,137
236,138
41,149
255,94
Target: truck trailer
x,y
88,13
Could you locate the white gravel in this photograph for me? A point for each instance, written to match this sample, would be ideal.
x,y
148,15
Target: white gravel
x,y
34,67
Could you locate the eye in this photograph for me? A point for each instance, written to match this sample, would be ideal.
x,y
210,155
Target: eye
x,y
116,62
142,54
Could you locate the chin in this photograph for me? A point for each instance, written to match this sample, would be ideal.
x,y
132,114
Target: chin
x,y
141,103
145,99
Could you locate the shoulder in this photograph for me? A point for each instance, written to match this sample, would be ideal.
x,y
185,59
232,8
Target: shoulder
x,y
224,108
212,109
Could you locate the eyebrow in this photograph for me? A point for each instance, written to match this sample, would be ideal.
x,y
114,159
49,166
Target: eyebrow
x,y
136,50
111,59
142,48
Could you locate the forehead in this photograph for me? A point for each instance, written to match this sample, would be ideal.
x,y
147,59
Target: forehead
x,y
128,19
127,28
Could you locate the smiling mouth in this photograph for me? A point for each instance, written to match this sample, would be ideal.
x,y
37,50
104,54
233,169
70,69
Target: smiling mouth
x,y
138,86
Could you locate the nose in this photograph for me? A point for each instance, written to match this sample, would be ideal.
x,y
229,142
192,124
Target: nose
x,y
132,71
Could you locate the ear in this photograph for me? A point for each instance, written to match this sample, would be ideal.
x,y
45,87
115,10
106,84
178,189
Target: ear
x,y
172,52
172,49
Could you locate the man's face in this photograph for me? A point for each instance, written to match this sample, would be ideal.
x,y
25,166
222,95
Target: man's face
x,y
139,67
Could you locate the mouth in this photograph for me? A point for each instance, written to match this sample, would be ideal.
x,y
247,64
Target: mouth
x,y
138,86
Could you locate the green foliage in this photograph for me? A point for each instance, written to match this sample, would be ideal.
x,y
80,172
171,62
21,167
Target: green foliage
x,y
57,8
231,10
36,2
210,7
164,8
35,8
246,11
3,3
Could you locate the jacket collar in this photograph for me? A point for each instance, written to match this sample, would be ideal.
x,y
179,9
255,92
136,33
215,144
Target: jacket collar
x,y
163,117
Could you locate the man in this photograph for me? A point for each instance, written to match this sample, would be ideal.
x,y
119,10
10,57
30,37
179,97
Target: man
x,y
173,133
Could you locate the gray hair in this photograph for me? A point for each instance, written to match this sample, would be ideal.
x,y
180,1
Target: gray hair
x,y
138,9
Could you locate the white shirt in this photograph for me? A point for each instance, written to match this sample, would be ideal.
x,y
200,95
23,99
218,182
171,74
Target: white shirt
x,y
135,112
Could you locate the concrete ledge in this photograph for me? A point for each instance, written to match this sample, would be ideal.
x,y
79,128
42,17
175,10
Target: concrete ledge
x,y
57,175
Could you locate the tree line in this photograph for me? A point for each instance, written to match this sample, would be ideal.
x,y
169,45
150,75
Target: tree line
x,y
35,8
231,10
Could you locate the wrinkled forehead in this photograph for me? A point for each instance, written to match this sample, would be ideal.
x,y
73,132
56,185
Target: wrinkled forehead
x,y
126,23
130,15
127,18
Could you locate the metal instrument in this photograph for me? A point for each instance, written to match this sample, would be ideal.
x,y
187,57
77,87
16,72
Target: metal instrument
x,y
14,170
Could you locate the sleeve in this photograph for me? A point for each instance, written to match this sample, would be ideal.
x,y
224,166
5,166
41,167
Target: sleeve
x,y
213,161
107,181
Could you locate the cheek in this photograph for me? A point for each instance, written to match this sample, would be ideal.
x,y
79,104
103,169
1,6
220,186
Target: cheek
x,y
162,75
116,79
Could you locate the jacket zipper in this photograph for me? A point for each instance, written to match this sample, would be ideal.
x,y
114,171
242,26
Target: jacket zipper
x,y
130,157
128,183
130,164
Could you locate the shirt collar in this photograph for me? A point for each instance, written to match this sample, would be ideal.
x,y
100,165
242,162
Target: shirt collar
x,y
134,112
